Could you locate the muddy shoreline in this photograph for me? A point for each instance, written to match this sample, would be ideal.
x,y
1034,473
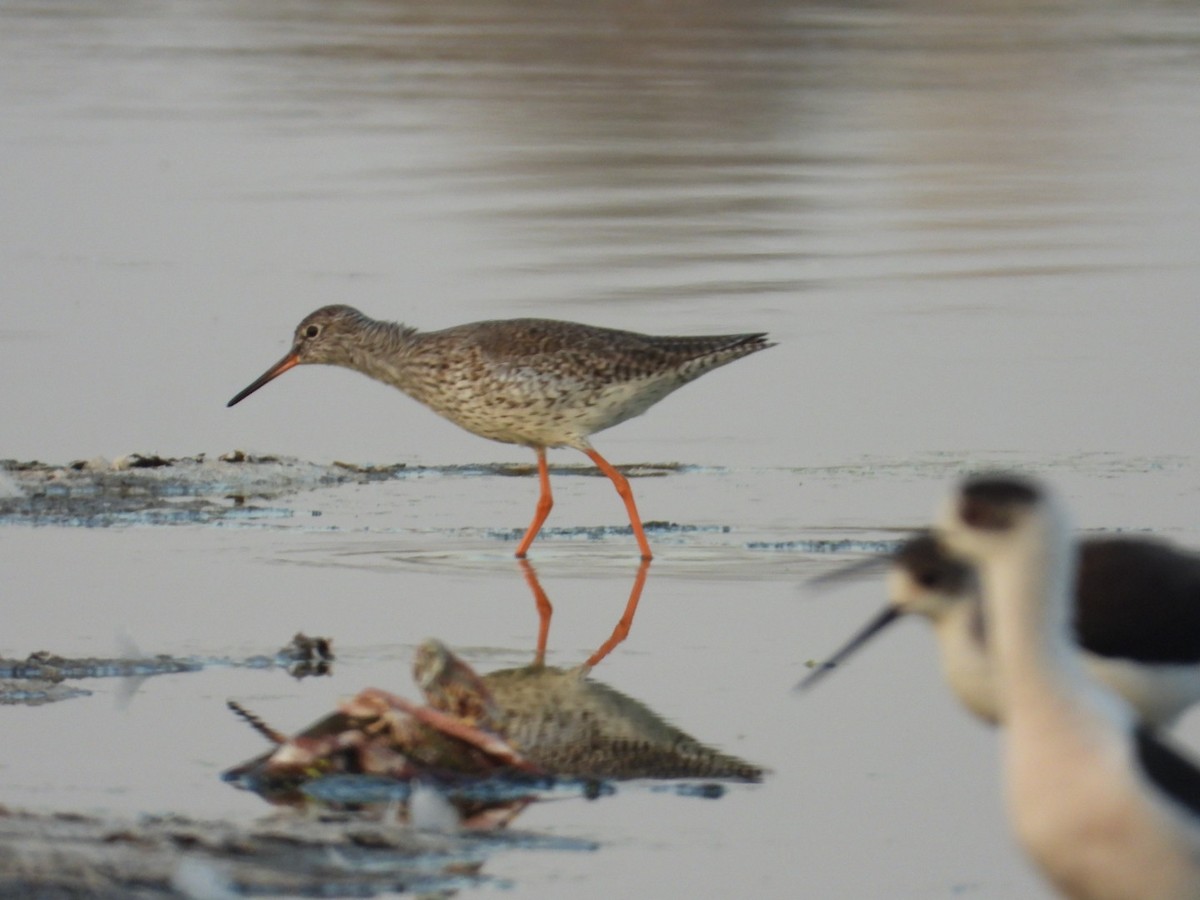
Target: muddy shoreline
x,y
148,489
68,855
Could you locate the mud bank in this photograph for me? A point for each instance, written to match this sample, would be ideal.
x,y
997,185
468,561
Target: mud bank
x,y
147,489
67,855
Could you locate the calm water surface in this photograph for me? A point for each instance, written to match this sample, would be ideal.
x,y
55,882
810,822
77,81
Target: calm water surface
x,y
971,229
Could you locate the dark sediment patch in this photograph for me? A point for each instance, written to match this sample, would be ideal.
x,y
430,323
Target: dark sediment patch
x,y
148,489
36,692
602,532
821,545
69,855
39,678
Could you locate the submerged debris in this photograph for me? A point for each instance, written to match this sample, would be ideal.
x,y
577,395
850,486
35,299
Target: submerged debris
x,y
374,472
38,678
306,655
629,470
54,668
534,728
36,692
604,532
822,545
275,737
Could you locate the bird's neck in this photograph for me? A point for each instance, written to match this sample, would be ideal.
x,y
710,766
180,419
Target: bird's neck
x,y
381,351
1030,596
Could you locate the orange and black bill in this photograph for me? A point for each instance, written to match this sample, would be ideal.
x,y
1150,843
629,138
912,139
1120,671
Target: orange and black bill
x,y
288,362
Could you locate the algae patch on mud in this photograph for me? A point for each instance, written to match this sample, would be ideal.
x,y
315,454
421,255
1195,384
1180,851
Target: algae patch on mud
x,y
148,489
41,677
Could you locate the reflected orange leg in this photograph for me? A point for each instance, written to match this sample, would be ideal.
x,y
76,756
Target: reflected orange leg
x,y
622,485
544,505
545,610
621,631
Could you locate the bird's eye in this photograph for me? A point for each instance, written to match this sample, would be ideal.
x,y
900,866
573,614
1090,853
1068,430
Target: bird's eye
x,y
312,331
927,578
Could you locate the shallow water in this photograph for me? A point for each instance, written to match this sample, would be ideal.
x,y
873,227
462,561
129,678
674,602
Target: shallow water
x,y
971,229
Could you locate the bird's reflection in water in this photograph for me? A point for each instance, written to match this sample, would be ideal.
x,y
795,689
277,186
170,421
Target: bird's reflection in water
x,y
491,744
545,610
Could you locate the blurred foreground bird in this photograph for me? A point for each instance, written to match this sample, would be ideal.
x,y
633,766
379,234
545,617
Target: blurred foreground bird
x,y
1102,805
1136,616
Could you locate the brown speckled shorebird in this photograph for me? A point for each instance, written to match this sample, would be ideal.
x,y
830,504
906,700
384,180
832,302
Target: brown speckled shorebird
x,y
536,382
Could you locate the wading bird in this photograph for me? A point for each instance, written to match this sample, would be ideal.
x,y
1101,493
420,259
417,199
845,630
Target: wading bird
x,y
536,382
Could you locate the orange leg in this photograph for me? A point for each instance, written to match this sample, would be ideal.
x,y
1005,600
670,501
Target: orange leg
x,y
544,505
622,630
545,610
622,486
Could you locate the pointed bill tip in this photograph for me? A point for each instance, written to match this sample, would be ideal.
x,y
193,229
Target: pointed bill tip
x,y
880,621
288,362
820,670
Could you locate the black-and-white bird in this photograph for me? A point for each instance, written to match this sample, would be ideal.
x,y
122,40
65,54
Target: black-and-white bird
x,y
1136,616
1103,806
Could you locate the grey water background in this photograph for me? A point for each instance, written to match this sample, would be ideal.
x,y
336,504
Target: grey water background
x,y
972,229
